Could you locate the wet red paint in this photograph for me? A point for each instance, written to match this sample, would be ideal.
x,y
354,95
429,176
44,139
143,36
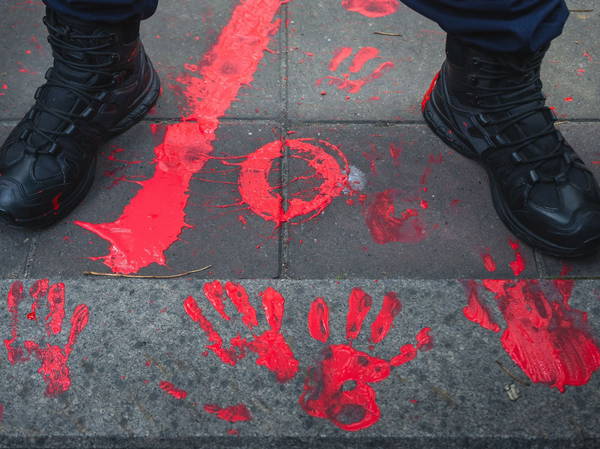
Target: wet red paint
x,y
386,226
54,359
372,8
383,323
427,95
424,340
488,262
330,167
234,413
155,217
338,388
56,202
271,347
476,311
169,388
517,265
339,56
318,320
548,338
359,305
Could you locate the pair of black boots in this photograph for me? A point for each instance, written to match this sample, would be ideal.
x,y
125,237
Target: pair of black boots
x,y
489,107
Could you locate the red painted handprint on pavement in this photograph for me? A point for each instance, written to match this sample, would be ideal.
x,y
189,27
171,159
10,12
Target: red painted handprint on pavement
x,y
54,359
272,349
326,393
363,56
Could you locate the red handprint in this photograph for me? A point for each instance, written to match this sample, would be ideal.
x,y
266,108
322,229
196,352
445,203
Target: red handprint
x,y
54,359
325,389
363,56
272,349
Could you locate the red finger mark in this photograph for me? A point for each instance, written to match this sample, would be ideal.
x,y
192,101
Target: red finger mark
x,y
239,297
195,313
56,309
274,307
488,262
340,55
355,86
386,227
155,217
79,321
407,353
359,305
318,320
15,296
233,413
517,265
476,311
214,293
169,388
549,340
385,319
432,160
395,153
263,199
427,95
372,8
37,291
424,340
363,56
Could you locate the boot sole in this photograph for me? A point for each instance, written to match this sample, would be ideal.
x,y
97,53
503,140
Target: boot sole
x,y
145,102
439,125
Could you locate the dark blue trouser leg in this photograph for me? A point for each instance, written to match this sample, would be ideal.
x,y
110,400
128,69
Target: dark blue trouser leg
x,y
498,25
104,10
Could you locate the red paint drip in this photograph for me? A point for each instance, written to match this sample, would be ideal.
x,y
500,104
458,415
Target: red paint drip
x,y
517,265
477,312
318,320
155,217
359,305
169,388
214,293
549,340
427,95
234,413
488,262
385,320
386,227
372,8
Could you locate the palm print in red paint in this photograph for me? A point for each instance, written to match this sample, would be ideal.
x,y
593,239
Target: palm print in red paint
x,y
344,81
270,346
54,359
338,388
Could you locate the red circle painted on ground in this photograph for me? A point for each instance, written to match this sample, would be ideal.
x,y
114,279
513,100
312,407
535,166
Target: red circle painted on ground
x,y
327,161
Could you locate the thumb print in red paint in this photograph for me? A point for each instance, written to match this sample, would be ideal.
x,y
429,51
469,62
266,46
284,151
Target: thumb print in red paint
x,y
270,346
53,359
372,8
338,388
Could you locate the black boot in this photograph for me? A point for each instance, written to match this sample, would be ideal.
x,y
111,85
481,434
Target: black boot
x,y
101,84
490,107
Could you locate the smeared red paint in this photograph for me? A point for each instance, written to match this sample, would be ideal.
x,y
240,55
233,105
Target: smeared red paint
x,y
383,323
56,202
395,153
386,227
56,309
338,388
318,320
476,311
328,162
372,156
155,217
271,347
15,296
169,388
488,262
427,95
548,339
363,56
517,265
424,340
234,413
568,99
38,290
1,412
359,305
431,161
214,293
372,8
339,56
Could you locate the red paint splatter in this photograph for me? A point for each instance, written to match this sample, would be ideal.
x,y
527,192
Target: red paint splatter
x,y
383,323
271,347
476,311
234,413
372,8
155,217
338,388
386,227
427,95
568,99
548,339
318,320
169,388
488,262
517,265
359,305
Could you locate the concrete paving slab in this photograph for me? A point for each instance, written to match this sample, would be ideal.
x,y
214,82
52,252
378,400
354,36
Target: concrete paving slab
x,y
420,210
218,231
143,369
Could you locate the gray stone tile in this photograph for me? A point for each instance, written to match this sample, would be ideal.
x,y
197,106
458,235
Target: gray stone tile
x,y
451,198
236,242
